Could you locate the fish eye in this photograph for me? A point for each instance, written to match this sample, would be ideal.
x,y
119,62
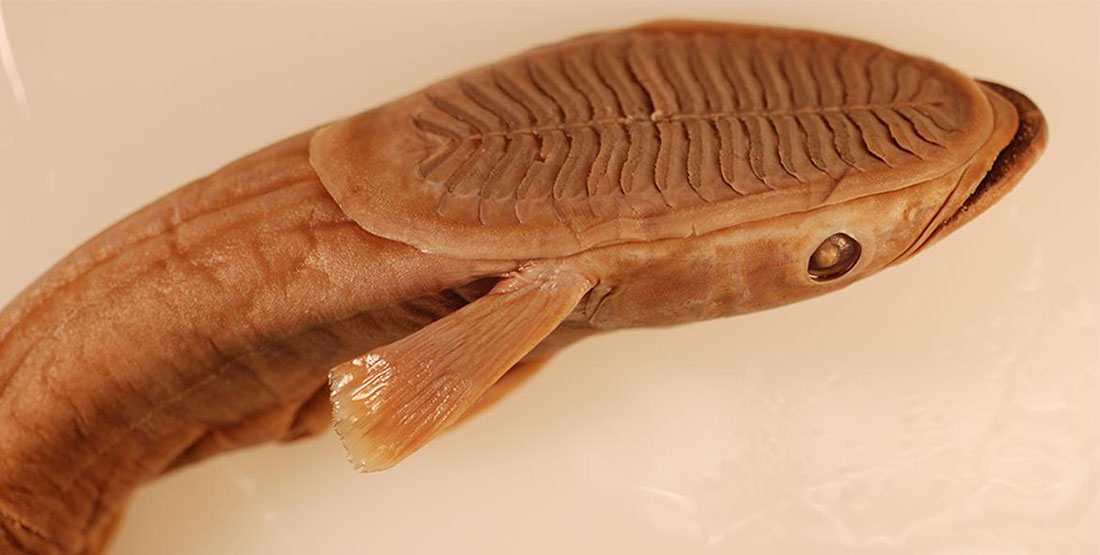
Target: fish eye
x,y
834,257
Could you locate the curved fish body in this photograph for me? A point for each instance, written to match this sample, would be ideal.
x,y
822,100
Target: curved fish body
x,y
417,252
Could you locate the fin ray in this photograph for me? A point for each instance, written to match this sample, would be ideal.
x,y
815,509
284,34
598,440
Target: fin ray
x,y
394,399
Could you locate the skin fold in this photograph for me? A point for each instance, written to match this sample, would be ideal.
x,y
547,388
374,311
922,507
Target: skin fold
x,y
202,323
209,320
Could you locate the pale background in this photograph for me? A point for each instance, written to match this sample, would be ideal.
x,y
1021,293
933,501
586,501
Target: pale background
x,y
948,406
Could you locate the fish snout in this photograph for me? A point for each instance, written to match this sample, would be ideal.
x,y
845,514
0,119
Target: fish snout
x,y
1010,165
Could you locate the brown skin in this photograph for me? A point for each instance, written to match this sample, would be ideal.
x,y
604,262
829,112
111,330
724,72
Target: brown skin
x,y
207,321
202,323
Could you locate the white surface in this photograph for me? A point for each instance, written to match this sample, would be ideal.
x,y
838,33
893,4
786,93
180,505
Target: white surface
x,y
947,406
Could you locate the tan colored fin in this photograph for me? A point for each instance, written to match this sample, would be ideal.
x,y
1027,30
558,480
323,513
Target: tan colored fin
x,y
394,399
511,379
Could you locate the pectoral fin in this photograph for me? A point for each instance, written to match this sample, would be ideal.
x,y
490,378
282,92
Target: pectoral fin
x,y
507,383
394,399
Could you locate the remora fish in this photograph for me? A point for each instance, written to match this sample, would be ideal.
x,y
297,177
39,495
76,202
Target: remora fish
x,y
667,173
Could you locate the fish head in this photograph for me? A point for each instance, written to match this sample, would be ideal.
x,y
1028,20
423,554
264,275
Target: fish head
x,y
779,260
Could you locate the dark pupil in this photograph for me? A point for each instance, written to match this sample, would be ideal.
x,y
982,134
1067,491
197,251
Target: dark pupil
x,y
834,257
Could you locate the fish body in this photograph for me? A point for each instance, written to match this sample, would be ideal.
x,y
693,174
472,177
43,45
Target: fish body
x,y
430,253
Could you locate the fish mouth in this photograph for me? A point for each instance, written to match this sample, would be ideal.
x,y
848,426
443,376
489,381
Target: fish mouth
x,y
1012,162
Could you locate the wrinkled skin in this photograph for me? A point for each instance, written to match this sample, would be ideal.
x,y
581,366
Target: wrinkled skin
x,y
203,323
207,321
